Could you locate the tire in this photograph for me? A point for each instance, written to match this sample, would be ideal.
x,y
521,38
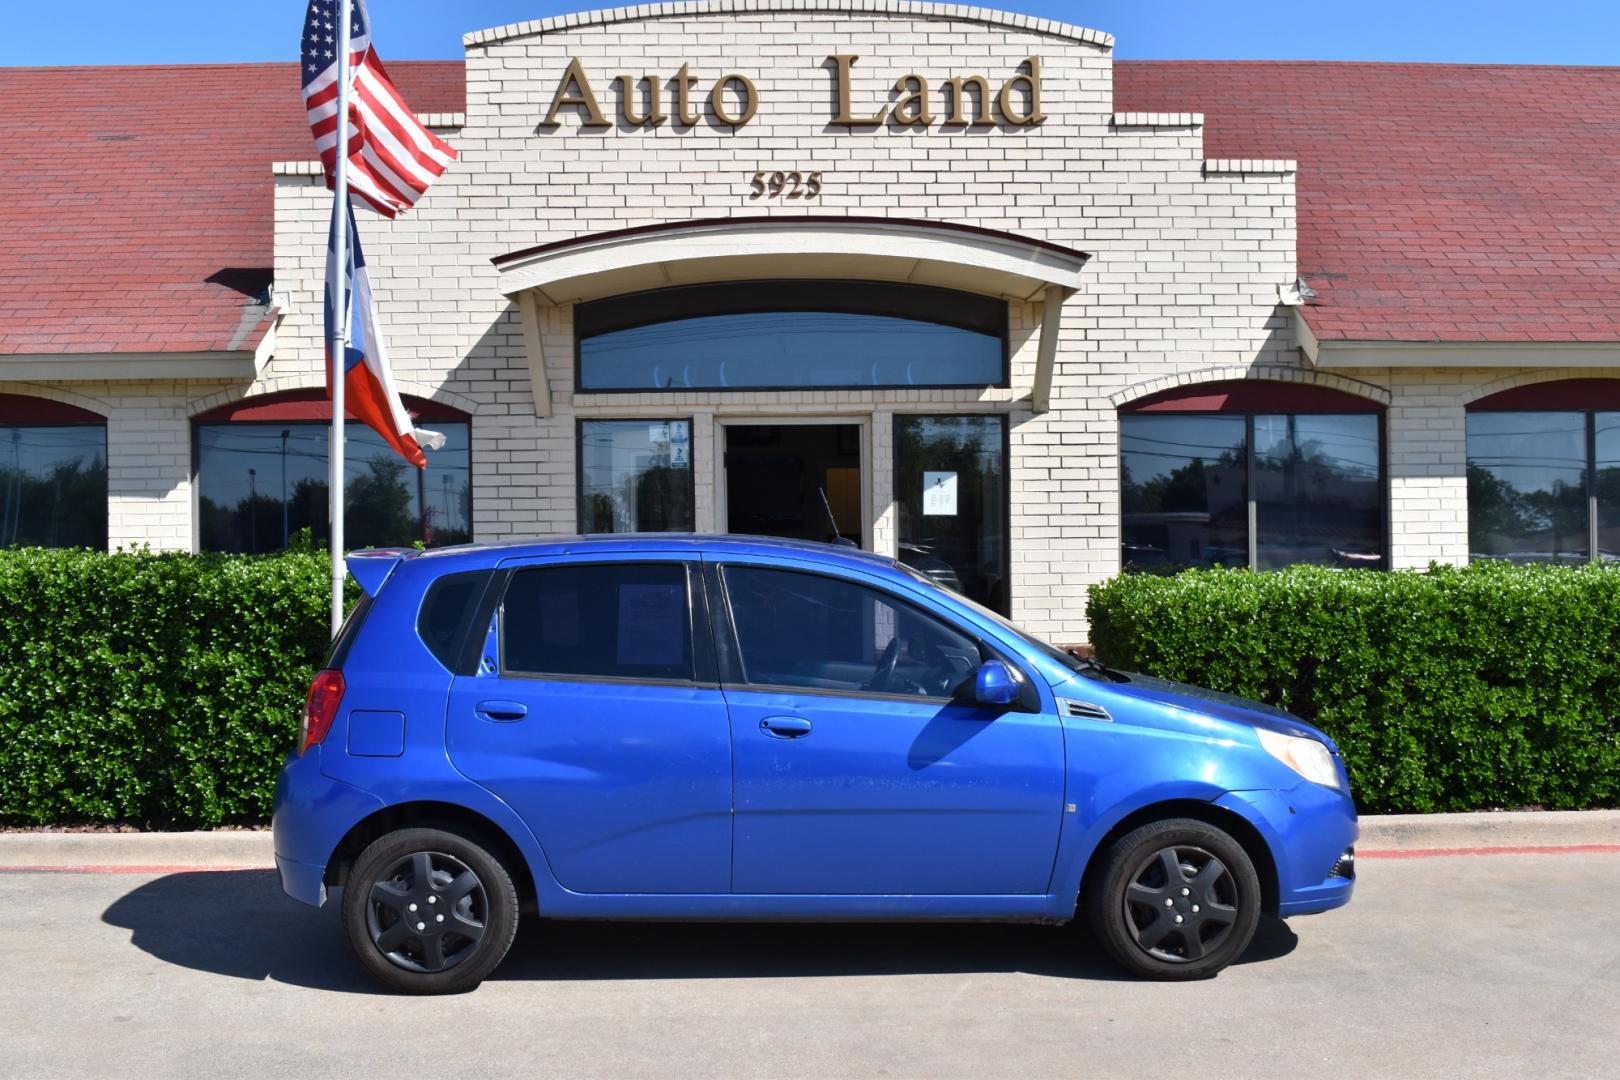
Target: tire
x,y
461,897
1175,900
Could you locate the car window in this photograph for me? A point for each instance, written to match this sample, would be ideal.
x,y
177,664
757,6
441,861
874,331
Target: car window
x,y
598,620
825,633
447,609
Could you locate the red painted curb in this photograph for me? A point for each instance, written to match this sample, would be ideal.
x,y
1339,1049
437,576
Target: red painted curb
x,y
1440,853
171,869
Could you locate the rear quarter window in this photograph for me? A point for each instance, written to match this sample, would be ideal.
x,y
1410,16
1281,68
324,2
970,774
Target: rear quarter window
x,y
447,612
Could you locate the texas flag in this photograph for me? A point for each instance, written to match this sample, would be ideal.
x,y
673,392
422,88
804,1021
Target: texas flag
x,y
368,383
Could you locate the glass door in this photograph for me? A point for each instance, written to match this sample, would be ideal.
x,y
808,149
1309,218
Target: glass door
x,y
950,477
794,480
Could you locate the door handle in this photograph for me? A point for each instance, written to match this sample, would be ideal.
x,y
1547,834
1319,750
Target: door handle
x,y
501,712
785,727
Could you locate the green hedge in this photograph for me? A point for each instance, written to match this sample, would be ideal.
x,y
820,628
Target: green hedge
x,y
158,689
1451,689
165,689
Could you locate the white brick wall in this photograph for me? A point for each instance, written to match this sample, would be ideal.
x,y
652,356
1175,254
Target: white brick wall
x,y
1188,255
1184,272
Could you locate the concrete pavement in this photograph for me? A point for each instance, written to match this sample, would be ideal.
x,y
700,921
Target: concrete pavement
x,y
1505,965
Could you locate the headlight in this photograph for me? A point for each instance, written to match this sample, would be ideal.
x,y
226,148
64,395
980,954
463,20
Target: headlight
x,y
1307,757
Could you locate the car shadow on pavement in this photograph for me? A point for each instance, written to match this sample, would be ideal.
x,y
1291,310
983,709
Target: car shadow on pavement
x,y
237,923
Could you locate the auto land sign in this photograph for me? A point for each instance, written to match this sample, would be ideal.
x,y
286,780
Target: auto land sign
x,y
735,100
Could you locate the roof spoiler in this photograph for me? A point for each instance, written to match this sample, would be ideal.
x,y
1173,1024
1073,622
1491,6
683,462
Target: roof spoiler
x,y
371,566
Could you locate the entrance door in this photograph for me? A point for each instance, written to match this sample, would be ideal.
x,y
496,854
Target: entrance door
x,y
794,480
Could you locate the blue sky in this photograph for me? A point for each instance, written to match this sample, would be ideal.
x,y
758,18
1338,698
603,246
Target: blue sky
x,y
1480,31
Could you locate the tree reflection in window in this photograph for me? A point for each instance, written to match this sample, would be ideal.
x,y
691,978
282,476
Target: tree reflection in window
x,y
247,473
53,485
1186,500
1528,493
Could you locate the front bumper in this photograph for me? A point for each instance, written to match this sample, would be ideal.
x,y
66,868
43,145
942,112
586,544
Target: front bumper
x,y
1308,829
311,815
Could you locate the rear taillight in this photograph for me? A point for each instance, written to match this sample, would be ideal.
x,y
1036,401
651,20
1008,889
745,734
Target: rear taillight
x,y
320,708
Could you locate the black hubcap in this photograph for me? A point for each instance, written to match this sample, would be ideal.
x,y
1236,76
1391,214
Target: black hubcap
x,y
1181,904
427,912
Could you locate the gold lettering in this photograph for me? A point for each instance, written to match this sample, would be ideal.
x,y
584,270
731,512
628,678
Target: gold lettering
x,y
745,93
683,101
628,95
1032,83
912,107
575,90
981,109
845,62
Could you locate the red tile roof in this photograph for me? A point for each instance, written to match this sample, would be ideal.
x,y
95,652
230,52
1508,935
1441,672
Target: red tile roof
x,y
1435,201
136,203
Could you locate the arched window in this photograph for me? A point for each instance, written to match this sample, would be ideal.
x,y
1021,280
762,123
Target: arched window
x,y
1251,473
262,468
1544,472
53,474
765,335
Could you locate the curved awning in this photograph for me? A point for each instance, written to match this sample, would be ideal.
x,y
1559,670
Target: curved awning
x,y
735,249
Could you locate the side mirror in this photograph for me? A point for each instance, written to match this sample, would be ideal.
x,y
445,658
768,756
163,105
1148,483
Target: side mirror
x,y
995,684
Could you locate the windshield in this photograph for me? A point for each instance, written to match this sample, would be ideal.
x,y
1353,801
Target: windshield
x,y
1080,665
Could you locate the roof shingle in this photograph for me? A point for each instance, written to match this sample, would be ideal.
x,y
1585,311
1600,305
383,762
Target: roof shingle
x,y
1436,202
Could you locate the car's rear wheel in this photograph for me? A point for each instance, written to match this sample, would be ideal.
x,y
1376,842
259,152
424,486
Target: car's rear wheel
x,y
1175,899
429,911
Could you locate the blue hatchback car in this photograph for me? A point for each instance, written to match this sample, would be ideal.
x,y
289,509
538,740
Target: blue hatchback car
x,y
717,727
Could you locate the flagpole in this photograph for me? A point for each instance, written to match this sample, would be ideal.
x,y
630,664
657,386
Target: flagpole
x,y
339,344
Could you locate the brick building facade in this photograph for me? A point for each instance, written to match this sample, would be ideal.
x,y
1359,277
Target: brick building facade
x,y
1201,365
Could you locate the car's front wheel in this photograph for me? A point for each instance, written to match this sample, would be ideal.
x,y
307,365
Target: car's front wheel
x,y
1175,899
429,911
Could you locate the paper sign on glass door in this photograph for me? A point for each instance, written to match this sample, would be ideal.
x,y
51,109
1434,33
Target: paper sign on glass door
x,y
939,494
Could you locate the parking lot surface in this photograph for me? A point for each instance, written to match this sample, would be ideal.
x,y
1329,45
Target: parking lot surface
x,y
1497,965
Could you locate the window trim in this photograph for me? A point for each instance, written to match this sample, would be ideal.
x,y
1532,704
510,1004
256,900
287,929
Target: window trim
x,y
733,673
579,466
1385,524
1003,381
700,639
1006,492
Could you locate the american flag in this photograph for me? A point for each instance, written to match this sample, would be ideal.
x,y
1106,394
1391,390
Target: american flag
x,y
392,158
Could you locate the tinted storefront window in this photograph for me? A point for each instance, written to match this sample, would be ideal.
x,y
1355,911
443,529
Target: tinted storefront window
x,y
635,476
1184,491
951,495
1606,444
53,485
1186,500
791,335
259,484
1535,479
1318,490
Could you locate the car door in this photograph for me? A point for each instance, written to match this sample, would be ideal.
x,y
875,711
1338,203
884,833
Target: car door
x,y
597,716
856,773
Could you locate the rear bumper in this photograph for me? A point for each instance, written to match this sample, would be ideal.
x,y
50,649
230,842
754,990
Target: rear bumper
x,y
311,815
1307,828
304,882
